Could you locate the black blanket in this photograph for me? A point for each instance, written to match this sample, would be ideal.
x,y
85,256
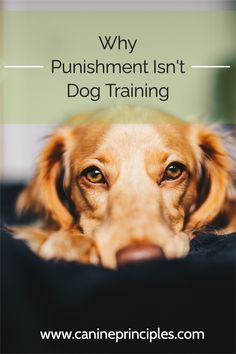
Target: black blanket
x,y
194,293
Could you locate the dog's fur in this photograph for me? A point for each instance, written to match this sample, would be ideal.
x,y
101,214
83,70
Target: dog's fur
x,y
91,222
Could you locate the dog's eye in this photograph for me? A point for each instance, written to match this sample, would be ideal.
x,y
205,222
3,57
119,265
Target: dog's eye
x,y
93,175
174,171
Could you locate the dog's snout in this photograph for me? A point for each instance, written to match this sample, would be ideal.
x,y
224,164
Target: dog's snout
x,y
138,253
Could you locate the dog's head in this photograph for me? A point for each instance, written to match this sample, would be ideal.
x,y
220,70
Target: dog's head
x,y
131,185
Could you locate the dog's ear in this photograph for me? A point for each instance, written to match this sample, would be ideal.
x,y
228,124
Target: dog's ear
x,y
45,193
215,179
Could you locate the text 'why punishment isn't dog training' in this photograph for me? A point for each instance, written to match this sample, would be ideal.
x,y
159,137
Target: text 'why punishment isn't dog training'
x,y
111,89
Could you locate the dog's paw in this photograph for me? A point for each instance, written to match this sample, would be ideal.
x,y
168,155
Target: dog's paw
x,y
177,246
69,247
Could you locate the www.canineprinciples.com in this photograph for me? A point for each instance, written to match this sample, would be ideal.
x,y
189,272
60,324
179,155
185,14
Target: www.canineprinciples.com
x,y
129,334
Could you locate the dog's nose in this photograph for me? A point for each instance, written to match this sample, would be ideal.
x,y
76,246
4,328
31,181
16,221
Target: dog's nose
x,y
138,253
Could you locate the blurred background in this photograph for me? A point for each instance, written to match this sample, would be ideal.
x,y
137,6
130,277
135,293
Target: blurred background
x,y
20,143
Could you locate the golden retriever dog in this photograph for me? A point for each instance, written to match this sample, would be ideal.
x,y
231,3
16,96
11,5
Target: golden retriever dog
x,y
127,184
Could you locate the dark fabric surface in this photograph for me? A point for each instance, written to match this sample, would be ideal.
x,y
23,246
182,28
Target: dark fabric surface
x,y
195,293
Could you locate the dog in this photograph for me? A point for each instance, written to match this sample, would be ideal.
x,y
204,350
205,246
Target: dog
x,y
127,184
